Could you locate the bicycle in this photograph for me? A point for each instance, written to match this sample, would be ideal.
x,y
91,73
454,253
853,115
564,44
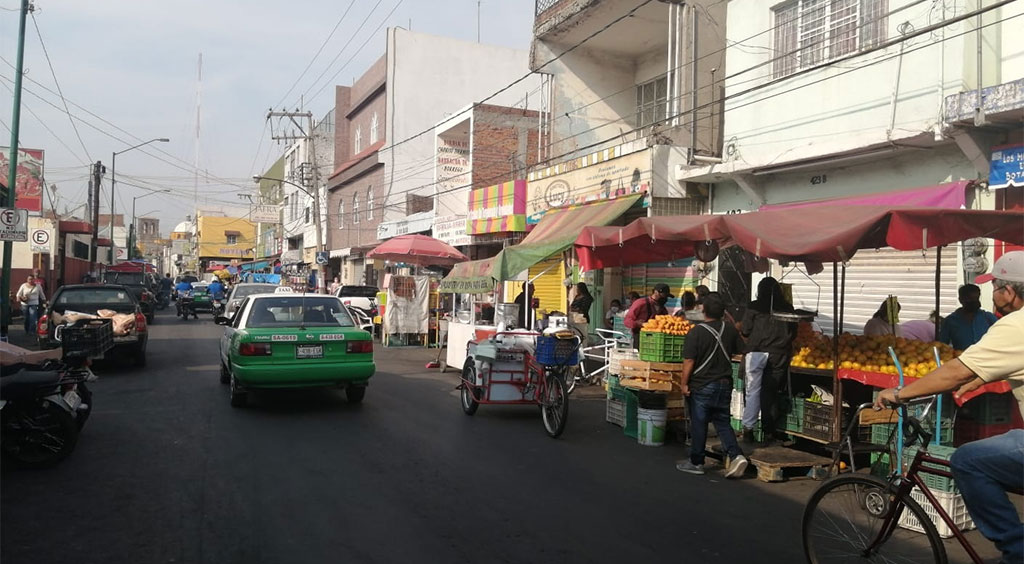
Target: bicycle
x,y
610,340
856,517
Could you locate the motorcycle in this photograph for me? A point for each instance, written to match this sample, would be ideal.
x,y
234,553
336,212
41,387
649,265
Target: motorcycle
x,y
220,303
163,300
184,306
43,409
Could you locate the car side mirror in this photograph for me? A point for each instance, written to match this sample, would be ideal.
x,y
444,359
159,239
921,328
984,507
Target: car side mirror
x,y
222,320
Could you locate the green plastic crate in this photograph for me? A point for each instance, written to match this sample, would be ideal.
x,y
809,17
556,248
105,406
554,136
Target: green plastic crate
x,y
938,483
631,427
737,426
880,432
880,464
737,377
661,347
990,409
611,384
795,416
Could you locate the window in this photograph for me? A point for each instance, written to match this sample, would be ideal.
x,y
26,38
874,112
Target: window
x,y
651,101
341,214
812,32
358,143
232,239
355,208
373,129
307,214
287,206
369,203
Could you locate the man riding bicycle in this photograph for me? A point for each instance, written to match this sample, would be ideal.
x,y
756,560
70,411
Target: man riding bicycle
x,y
985,469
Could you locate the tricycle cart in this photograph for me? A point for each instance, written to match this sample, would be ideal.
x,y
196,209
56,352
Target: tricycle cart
x,y
520,368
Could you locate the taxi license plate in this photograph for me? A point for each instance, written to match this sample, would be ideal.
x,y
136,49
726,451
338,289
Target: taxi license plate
x,y
309,351
72,399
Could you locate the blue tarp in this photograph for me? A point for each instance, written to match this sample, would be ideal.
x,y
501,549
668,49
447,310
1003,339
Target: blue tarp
x,y
261,278
250,266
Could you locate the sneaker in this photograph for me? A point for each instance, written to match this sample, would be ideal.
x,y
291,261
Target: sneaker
x,y
690,468
736,467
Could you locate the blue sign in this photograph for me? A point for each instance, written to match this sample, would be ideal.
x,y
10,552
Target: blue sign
x,y
1007,167
322,257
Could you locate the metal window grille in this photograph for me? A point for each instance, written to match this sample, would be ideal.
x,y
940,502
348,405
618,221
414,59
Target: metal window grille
x,y
341,214
373,128
355,208
542,6
651,102
357,145
786,61
369,202
812,32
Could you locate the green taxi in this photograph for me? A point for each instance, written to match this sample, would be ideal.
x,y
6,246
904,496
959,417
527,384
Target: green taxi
x,y
286,340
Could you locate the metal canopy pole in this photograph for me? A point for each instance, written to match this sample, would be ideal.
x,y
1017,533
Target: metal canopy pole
x,y
837,398
938,287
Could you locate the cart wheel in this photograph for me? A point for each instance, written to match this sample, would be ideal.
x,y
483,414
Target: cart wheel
x,y
555,406
443,367
469,393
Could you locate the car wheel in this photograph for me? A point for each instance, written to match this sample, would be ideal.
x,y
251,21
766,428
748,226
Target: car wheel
x,y
355,394
225,376
238,396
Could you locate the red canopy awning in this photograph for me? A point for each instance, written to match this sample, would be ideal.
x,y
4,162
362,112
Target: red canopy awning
x,y
417,249
648,239
951,195
835,233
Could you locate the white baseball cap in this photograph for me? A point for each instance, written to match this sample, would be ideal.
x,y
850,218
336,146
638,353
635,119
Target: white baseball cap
x,y
1009,267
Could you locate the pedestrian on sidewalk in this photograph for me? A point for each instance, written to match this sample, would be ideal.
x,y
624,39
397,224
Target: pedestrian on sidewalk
x,y
769,349
708,388
31,296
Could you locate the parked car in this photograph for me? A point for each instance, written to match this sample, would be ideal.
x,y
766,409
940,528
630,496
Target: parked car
x,y
89,298
362,297
241,291
142,285
285,340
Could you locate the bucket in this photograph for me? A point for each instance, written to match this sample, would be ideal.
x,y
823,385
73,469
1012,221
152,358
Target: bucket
x,y
651,425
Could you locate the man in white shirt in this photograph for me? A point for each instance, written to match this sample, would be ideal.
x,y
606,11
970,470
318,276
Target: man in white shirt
x,y
31,296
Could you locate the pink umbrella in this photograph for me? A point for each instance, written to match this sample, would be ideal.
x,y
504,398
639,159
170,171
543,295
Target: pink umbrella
x,y
417,249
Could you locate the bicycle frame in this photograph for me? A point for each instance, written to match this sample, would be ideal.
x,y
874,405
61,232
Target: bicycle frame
x,y
610,341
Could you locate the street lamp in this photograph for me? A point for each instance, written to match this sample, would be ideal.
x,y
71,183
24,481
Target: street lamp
x,y
113,181
316,208
134,229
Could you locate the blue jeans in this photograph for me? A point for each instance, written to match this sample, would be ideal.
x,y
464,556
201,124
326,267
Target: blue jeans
x,y
710,404
984,470
31,315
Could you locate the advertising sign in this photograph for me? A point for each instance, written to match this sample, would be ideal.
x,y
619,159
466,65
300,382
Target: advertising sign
x,y
13,224
599,176
452,230
1007,167
28,189
264,213
498,208
413,224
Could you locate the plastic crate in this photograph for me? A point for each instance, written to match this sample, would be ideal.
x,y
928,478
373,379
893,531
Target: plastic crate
x,y
87,337
630,427
934,482
737,377
737,426
990,409
795,416
555,352
968,431
818,420
880,464
880,433
615,412
736,404
661,347
952,504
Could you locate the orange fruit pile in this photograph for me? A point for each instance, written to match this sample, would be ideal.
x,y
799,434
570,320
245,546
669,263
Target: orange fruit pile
x,y
868,354
668,324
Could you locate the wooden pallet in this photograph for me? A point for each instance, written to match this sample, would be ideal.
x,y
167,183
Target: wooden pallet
x,y
771,462
652,376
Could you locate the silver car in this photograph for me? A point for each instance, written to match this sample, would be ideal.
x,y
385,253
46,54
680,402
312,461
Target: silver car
x,y
240,291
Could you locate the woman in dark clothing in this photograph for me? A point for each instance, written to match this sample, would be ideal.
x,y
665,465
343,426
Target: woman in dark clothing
x,y
769,349
582,302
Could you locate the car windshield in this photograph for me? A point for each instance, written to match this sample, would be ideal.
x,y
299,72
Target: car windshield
x,y
358,292
92,296
250,289
298,311
126,278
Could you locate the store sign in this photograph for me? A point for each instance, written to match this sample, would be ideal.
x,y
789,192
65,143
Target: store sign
x,y
264,213
604,175
452,230
413,224
28,184
40,240
463,286
13,224
499,208
1007,167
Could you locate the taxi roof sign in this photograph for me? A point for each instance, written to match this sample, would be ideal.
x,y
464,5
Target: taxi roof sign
x,y
284,290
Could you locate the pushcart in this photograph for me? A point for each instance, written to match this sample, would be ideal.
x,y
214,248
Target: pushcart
x,y
521,368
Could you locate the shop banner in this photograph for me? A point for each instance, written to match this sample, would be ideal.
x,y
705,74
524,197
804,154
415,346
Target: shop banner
x,y
407,310
601,176
452,230
497,209
1007,167
264,213
28,184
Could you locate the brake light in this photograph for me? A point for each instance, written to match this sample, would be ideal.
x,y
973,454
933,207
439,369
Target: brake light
x,y
41,328
347,302
359,347
254,349
140,322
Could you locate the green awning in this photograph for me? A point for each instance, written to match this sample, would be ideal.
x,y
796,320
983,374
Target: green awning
x,y
556,232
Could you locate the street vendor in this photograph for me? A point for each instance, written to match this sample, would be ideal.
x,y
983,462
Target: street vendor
x,y
984,470
880,324
524,311
969,322
708,388
647,308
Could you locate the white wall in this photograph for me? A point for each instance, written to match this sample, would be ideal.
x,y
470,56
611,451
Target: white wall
x,y
324,145
430,78
833,110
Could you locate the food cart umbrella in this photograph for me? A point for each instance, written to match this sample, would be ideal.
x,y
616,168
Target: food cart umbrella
x,y
417,249
648,239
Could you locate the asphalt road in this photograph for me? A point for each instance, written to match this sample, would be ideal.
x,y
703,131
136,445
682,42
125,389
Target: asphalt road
x,y
167,471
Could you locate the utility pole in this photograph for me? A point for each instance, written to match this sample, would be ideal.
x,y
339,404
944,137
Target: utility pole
x,y
12,164
309,137
98,170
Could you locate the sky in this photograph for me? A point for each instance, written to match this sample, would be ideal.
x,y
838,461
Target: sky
x,y
128,72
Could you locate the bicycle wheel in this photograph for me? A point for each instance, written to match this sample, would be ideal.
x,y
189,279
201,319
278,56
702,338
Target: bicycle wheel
x,y
554,406
845,514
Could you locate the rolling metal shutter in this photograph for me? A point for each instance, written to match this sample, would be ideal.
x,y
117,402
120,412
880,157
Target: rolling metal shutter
x,y
679,275
871,276
549,287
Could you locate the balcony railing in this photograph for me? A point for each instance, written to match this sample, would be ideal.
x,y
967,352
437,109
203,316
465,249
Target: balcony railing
x,y
544,5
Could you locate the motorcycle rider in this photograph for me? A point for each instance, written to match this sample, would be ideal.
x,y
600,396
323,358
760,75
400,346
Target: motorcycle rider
x,y
182,289
166,284
216,289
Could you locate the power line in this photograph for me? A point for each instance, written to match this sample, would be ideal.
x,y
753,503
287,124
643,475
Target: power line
x,y
57,83
317,54
343,47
